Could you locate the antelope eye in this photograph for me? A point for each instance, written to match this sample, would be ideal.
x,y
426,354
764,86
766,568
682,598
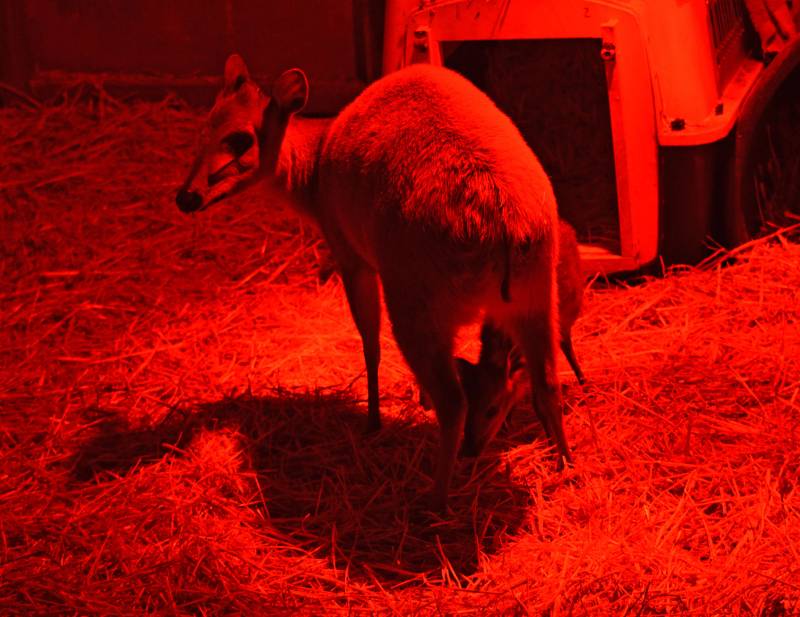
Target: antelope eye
x,y
238,142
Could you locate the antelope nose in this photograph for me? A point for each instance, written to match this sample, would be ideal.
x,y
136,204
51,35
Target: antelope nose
x,y
188,201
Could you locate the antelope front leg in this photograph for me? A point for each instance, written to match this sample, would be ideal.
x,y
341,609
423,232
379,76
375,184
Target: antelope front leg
x,y
361,286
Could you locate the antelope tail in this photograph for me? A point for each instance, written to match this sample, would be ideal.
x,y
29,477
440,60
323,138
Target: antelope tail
x,y
505,285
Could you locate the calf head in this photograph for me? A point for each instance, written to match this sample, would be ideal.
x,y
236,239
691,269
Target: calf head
x,y
492,387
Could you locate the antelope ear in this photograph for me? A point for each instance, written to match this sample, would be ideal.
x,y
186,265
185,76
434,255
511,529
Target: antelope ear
x,y
290,91
236,73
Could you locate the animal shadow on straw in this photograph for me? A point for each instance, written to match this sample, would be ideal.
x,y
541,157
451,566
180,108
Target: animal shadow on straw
x,y
360,499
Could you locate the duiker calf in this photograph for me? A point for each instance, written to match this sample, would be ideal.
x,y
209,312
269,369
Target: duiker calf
x,y
495,384
420,181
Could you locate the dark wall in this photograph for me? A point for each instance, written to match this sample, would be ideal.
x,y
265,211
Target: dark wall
x,y
155,44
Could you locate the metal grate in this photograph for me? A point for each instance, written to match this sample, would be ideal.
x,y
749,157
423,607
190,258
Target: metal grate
x,y
727,19
726,22
555,91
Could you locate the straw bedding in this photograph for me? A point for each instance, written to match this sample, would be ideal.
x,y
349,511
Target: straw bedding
x,y
182,399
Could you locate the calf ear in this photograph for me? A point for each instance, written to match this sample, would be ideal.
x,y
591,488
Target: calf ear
x,y
515,362
516,376
290,91
236,73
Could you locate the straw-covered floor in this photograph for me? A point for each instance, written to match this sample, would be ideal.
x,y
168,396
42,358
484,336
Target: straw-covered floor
x,y
182,404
